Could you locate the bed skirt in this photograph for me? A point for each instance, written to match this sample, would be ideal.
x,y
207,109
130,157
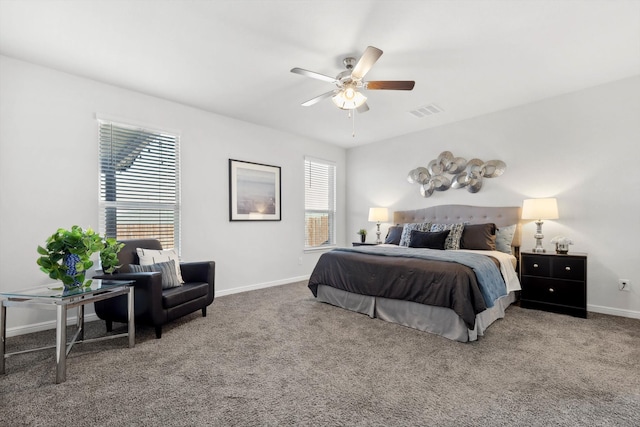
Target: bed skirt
x,y
436,320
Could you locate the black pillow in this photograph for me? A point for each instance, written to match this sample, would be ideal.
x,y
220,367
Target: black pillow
x,y
479,236
427,239
393,235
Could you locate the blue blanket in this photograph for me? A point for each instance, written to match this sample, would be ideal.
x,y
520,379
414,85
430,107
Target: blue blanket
x,y
489,278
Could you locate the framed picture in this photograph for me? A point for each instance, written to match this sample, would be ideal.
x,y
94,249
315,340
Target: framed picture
x,y
254,192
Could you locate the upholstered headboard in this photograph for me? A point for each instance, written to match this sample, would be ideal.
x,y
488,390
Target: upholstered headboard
x,y
501,216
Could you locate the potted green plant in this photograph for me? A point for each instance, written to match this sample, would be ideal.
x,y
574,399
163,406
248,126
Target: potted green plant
x,y
363,235
67,255
109,255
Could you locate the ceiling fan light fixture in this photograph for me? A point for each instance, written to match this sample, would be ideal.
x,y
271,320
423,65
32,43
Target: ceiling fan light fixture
x,y
349,99
346,96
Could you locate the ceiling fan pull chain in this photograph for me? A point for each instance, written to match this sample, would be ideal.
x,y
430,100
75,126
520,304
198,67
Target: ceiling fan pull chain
x,y
353,124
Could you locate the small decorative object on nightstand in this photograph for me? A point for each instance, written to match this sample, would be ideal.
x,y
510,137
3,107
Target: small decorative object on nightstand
x,y
554,282
539,209
363,235
378,215
562,244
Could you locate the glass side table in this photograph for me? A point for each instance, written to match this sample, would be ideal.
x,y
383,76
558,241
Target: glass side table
x,y
54,297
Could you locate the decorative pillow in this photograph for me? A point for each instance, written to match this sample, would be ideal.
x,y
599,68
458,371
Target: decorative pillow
x,y
168,270
504,238
453,240
408,228
394,235
479,237
152,256
427,239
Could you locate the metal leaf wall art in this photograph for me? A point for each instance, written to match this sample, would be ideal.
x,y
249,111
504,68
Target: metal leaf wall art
x,y
464,174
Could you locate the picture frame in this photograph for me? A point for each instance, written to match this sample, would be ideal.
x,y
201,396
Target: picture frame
x,y
254,191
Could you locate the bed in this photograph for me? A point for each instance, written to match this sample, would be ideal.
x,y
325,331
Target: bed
x,y
452,293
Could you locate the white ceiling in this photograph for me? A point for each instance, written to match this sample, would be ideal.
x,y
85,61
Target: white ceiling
x,y
233,58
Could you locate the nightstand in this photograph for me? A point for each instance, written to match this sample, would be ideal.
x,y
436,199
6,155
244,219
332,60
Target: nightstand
x,y
363,244
554,282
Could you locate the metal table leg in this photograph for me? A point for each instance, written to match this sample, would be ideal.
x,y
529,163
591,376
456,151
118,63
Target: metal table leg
x,y
131,317
61,343
3,334
80,323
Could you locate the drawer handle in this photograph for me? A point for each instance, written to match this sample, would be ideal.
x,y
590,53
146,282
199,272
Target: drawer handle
x,y
535,265
568,268
551,290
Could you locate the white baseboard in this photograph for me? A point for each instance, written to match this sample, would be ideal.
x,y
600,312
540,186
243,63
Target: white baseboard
x,y
613,311
43,326
261,286
90,317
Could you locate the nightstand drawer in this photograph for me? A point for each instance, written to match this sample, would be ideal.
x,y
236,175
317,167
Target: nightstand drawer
x,y
554,282
553,291
568,268
535,265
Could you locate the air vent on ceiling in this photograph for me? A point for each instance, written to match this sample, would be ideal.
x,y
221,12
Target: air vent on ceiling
x,y
426,110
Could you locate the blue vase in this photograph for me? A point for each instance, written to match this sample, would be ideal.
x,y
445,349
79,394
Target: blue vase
x,y
70,261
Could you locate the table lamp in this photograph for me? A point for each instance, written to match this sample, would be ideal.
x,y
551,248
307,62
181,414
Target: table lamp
x,y
378,215
539,209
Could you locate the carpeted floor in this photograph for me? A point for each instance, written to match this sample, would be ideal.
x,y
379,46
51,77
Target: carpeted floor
x,y
277,357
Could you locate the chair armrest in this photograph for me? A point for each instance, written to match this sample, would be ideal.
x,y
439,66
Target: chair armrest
x,y
147,293
152,281
198,271
201,272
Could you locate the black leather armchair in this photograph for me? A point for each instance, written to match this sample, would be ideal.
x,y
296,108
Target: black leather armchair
x,y
155,306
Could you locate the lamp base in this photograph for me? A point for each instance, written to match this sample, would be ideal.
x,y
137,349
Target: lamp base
x,y
538,236
378,240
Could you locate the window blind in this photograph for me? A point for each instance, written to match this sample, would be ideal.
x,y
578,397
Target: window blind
x,y
320,203
139,183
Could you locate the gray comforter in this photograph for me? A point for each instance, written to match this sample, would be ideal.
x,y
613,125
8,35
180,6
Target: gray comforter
x,y
401,274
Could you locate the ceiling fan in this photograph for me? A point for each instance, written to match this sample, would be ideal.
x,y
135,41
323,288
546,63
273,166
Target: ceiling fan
x,y
347,95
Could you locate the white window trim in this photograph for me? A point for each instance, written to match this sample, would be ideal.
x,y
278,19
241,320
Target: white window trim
x,y
311,249
105,118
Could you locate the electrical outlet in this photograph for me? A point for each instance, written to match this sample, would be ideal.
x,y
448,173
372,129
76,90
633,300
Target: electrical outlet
x,y
624,285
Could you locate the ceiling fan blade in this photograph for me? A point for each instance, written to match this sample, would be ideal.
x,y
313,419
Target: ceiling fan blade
x,y
313,75
368,58
318,98
390,85
363,108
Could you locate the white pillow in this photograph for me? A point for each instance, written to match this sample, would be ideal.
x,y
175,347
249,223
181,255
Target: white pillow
x,y
151,256
504,238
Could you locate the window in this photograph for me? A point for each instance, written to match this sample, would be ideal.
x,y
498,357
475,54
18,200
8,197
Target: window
x,y
319,203
139,183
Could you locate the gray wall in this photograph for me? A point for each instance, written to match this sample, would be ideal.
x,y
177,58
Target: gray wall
x,y
49,179
582,148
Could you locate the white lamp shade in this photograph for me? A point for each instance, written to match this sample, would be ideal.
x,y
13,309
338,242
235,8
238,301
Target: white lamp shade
x,y
378,214
540,208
